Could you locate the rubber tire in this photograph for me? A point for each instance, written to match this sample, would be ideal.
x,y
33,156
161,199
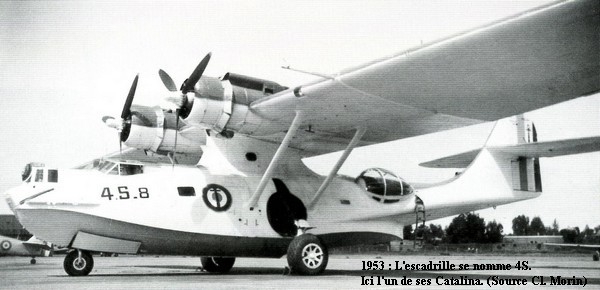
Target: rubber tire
x,y
217,264
70,259
596,257
32,261
296,249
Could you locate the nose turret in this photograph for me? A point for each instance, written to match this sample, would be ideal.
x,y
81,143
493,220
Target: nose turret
x,y
37,180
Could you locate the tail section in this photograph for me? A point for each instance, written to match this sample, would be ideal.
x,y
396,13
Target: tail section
x,y
512,133
505,170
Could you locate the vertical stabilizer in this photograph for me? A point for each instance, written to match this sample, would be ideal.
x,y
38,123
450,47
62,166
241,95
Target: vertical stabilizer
x,y
525,171
495,176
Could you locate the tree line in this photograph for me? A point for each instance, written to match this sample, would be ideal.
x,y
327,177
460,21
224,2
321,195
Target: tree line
x,y
465,228
521,226
471,228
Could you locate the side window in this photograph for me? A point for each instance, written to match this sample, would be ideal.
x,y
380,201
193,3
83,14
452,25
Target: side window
x,y
52,175
39,175
186,191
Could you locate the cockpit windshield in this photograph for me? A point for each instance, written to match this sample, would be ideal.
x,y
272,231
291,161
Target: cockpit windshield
x,y
118,167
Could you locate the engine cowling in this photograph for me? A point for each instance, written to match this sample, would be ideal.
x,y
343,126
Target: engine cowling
x,y
384,186
153,129
222,104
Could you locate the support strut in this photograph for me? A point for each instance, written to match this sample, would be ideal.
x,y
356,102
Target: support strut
x,y
359,133
275,161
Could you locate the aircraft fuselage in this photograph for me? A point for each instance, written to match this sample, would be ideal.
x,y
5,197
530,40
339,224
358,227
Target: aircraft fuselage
x,y
188,210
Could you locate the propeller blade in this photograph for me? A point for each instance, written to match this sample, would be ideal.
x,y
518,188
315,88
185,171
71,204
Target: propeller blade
x,y
127,107
167,80
189,84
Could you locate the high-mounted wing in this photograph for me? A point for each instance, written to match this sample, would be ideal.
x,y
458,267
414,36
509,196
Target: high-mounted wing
x,y
535,59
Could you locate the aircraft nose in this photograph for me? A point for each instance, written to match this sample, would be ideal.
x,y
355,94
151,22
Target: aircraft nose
x,y
19,195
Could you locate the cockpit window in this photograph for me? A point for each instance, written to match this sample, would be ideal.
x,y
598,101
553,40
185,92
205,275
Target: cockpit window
x,y
52,175
383,186
130,169
118,168
106,166
39,175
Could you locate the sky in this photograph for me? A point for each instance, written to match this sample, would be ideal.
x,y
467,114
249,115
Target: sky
x,y
67,64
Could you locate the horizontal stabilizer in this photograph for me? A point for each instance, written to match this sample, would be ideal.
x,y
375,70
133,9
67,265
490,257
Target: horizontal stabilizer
x,y
529,150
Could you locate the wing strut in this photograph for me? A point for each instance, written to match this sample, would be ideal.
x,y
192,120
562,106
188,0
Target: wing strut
x,y
274,162
359,133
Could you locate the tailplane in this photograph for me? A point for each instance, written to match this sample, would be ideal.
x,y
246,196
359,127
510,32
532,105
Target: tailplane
x,y
505,170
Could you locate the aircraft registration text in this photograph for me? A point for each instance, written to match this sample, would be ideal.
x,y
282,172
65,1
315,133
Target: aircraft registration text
x,y
124,193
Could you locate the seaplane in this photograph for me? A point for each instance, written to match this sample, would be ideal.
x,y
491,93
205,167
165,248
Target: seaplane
x,y
217,170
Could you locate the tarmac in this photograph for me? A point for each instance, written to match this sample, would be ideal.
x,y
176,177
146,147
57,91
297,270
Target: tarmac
x,y
343,272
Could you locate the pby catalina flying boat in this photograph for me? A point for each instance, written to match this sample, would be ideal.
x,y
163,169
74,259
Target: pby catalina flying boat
x,y
218,173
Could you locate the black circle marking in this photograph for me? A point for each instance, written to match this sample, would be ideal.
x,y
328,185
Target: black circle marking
x,y
216,197
6,245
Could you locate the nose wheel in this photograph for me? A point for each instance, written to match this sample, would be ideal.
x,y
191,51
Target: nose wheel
x,y
307,255
217,264
78,263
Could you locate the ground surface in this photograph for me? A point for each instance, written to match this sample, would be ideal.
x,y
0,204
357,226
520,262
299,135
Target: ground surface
x,y
343,272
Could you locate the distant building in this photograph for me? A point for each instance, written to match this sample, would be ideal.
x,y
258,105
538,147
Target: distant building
x,y
527,240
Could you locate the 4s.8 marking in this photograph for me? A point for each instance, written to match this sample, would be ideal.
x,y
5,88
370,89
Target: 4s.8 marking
x,y
142,192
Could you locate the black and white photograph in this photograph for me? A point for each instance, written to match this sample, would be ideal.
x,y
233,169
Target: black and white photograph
x,y
300,144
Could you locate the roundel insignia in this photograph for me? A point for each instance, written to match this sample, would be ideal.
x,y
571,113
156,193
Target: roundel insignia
x,y
216,197
6,245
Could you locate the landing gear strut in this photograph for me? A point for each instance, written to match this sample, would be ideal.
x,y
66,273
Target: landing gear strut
x,y
217,264
78,263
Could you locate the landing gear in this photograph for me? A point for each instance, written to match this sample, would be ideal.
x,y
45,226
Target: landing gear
x,y
217,264
596,256
78,263
32,261
306,255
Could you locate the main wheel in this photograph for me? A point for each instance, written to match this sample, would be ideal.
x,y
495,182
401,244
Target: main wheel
x,y
307,255
217,264
596,256
75,266
32,261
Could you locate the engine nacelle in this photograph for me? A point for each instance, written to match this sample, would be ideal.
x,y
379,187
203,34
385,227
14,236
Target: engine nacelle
x,y
384,186
222,104
153,129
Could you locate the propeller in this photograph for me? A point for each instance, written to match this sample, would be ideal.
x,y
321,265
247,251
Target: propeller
x,y
125,115
180,100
